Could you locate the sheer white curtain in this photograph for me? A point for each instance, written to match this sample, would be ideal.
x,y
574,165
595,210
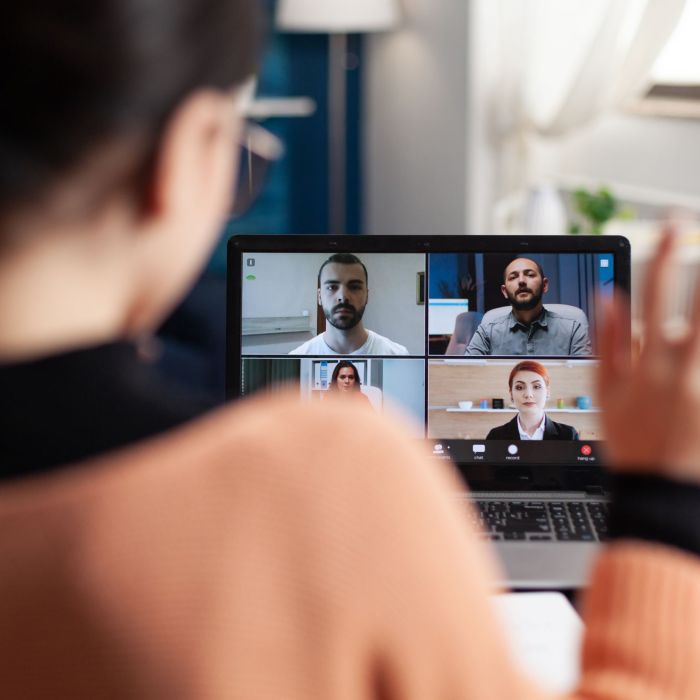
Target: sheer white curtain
x,y
563,63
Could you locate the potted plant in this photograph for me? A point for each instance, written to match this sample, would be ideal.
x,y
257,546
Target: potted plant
x,y
594,209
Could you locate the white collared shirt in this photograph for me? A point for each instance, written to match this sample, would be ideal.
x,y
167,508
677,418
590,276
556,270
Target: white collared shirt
x,y
537,435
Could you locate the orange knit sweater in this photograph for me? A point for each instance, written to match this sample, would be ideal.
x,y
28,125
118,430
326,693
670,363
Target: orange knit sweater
x,y
273,551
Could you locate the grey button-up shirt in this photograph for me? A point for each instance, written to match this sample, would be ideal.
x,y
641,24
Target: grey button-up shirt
x,y
553,333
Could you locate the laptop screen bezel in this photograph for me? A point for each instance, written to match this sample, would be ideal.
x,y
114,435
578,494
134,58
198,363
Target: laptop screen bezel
x,y
564,476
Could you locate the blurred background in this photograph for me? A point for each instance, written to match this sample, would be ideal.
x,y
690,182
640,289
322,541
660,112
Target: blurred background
x,y
464,117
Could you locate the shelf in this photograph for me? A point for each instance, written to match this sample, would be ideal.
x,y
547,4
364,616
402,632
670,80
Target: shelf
x,y
279,324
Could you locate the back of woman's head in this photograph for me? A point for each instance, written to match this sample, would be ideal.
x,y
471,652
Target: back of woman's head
x,y
88,80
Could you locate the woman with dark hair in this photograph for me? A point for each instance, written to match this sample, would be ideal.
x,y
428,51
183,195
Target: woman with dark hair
x,y
345,378
268,549
119,137
345,381
528,383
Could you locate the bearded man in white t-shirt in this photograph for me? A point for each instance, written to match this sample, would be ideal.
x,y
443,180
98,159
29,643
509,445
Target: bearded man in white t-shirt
x,y
343,294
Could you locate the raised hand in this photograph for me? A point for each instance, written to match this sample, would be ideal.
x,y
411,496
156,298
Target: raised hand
x,y
651,405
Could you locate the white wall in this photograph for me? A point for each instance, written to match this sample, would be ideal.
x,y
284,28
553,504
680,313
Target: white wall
x,y
432,116
482,183
415,114
404,387
649,152
392,309
284,285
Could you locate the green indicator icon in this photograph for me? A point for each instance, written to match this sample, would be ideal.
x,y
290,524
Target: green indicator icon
x,y
250,277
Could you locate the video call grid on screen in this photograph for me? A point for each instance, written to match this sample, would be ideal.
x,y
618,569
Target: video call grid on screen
x,y
433,314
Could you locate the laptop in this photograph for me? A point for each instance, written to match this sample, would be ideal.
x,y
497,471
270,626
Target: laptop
x,y
488,343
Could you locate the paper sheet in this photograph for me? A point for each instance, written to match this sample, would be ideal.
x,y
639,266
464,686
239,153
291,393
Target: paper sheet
x,y
545,634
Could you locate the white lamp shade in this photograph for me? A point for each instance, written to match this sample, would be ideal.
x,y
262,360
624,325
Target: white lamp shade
x,y
330,16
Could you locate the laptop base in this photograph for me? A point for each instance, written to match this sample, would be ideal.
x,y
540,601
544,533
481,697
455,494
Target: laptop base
x,y
545,565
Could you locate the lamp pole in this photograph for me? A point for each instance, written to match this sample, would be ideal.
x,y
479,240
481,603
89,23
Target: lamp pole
x,y
337,18
337,110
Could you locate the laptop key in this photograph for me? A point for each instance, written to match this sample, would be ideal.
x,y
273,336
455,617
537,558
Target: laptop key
x,y
543,520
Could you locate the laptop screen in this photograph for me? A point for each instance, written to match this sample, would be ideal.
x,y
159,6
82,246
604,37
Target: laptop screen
x,y
487,343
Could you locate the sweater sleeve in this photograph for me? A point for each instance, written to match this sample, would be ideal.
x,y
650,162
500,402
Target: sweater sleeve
x,y
278,551
425,579
656,509
642,639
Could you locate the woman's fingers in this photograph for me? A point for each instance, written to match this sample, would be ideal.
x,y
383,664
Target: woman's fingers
x,y
693,341
614,344
657,280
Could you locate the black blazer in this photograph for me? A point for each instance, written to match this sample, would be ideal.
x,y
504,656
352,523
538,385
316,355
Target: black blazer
x,y
552,431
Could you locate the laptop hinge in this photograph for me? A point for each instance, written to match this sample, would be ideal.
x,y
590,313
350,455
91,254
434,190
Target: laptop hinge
x,y
525,495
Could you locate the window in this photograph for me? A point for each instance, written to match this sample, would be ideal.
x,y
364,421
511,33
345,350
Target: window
x,y
675,76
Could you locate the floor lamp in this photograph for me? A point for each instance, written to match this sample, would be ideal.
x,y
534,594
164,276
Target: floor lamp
x,y
337,18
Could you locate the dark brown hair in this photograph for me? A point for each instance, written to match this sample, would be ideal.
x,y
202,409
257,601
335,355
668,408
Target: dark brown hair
x,y
81,76
336,372
343,259
520,257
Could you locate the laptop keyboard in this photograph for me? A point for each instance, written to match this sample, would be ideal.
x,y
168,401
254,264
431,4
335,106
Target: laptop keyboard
x,y
542,520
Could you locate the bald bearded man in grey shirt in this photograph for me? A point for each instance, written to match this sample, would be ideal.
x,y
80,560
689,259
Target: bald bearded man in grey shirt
x,y
530,328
